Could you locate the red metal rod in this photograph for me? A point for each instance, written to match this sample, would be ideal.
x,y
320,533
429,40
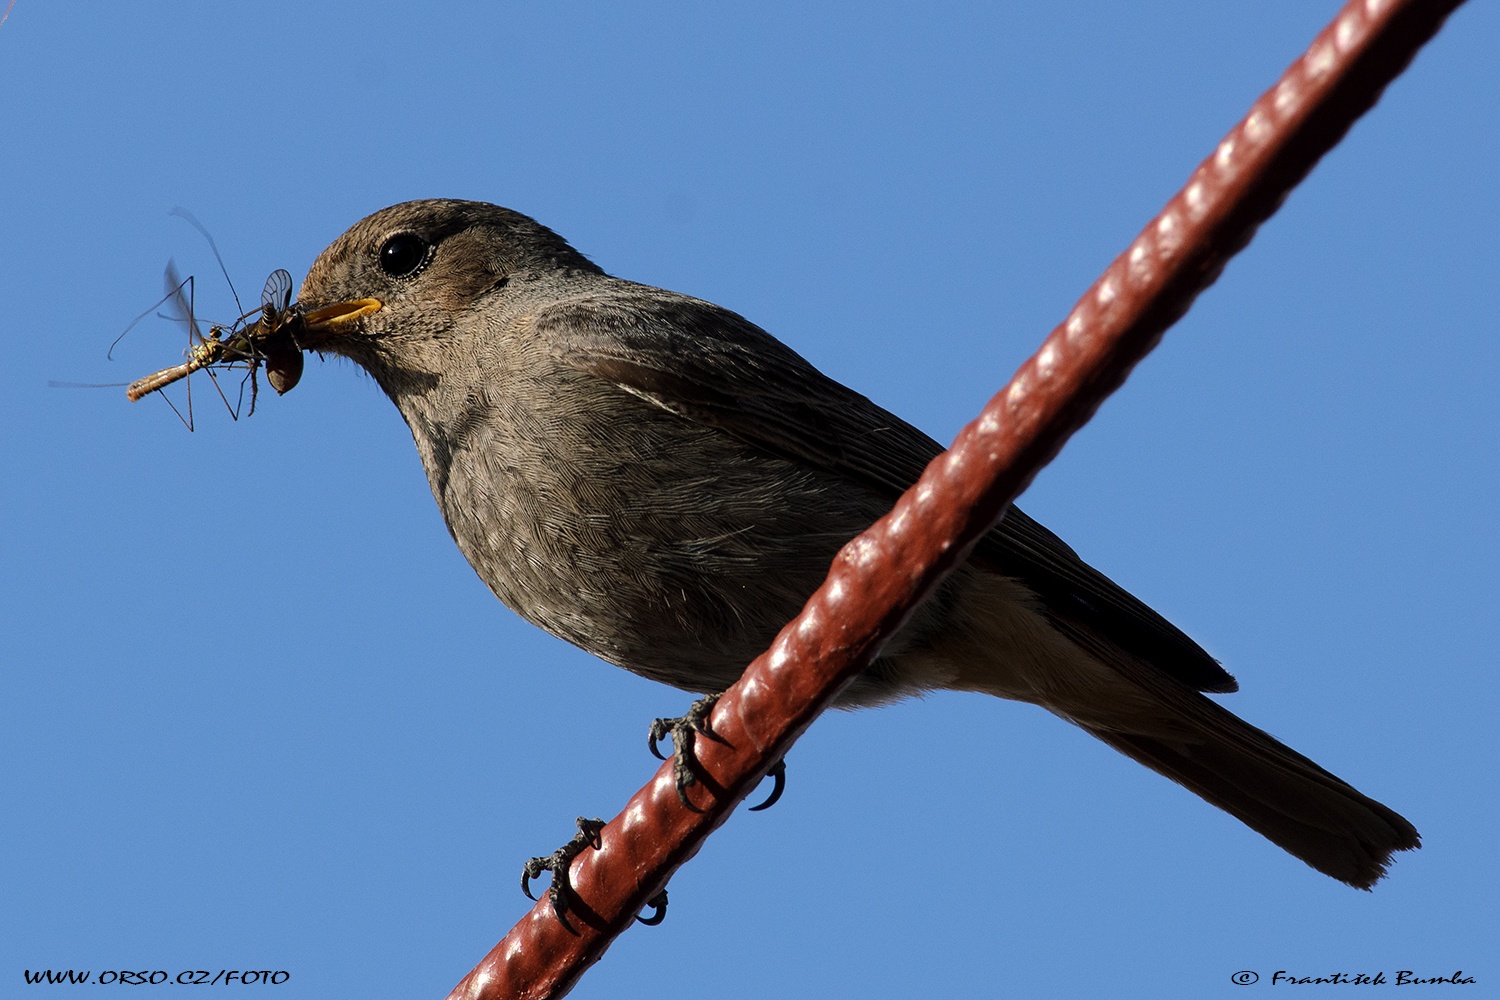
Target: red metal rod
x,y
880,577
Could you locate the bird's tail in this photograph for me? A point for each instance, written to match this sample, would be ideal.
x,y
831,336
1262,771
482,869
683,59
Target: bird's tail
x,y
999,642
1275,791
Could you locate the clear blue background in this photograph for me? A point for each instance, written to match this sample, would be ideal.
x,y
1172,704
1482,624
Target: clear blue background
x,y
257,712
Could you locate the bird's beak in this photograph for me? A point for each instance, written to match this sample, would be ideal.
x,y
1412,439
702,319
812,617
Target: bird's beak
x,y
294,331
329,320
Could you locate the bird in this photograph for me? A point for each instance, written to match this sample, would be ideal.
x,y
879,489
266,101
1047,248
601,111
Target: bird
x,y
659,481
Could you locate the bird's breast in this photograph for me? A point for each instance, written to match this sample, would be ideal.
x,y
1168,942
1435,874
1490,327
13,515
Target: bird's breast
x,y
657,543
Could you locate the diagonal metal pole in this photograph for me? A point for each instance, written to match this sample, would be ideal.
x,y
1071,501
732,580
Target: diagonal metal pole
x,y
881,576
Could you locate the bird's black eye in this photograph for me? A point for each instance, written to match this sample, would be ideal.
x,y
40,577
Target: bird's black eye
x,y
404,254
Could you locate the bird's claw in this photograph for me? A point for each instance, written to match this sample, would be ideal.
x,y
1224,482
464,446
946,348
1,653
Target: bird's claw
x,y
658,904
560,893
778,774
684,732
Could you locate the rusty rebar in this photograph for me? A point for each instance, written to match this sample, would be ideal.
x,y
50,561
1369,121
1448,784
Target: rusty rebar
x,y
879,577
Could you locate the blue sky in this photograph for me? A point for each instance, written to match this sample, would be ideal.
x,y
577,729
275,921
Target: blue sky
x,y
257,712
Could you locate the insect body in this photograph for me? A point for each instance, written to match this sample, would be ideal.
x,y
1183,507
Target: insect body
x,y
212,350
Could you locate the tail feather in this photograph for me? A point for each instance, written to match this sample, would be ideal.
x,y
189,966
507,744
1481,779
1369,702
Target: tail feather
x,y
1280,794
1308,811
1000,642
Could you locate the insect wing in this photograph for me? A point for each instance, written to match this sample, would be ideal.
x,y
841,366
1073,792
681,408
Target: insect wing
x,y
277,295
179,303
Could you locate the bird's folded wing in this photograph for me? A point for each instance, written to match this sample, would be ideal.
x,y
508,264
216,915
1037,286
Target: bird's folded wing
x,y
710,365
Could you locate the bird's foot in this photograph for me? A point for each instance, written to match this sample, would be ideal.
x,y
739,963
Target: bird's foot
x,y
684,732
561,894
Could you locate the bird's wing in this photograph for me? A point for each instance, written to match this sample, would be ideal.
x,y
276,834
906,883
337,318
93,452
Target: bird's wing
x,y
710,365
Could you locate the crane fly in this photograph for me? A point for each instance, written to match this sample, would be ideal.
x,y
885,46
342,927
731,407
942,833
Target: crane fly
x,y
258,336
272,336
262,336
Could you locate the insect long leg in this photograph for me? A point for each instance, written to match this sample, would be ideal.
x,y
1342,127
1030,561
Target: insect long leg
x,y
187,421
254,389
233,408
171,291
192,220
175,300
202,351
205,351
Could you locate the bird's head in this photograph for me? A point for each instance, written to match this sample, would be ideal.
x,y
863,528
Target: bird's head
x,y
392,292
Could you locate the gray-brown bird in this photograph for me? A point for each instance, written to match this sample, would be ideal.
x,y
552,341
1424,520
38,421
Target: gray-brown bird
x,y
661,482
